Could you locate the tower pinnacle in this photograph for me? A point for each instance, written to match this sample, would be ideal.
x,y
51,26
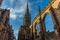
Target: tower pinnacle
x,y
27,18
39,9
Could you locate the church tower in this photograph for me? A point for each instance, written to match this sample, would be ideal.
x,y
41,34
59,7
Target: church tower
x,y
24,32
27,17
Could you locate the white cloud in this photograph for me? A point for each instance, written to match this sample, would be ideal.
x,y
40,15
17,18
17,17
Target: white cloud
x,y
14,13
16,31
19,10
13,16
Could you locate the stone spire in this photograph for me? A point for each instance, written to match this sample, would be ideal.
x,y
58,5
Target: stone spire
x,y
27,10
39,9
27,18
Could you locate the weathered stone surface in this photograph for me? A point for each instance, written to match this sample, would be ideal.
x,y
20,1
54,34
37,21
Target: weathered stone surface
x,y
6,32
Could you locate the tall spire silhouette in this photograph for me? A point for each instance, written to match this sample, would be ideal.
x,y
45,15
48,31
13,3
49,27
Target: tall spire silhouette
x,y
39,10
27,17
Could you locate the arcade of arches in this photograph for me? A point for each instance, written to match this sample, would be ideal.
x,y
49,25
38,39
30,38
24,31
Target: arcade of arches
x,y
53,9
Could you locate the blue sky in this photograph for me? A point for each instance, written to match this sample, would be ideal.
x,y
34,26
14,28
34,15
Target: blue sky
x,y
17,11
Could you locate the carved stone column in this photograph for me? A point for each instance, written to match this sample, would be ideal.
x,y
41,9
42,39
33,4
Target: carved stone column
x,y
42,29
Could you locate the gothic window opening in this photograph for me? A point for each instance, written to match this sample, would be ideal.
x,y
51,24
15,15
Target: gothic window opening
x,y
37,30
49,26
49,23
38,27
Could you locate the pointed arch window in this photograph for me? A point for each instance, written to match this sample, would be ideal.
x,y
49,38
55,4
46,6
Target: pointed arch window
x,y
49,22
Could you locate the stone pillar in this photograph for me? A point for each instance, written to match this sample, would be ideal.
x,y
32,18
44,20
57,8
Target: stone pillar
x,y
55,21
32,33
42,29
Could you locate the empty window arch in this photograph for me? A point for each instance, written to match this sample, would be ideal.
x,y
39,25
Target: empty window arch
x,y
49,23
38,27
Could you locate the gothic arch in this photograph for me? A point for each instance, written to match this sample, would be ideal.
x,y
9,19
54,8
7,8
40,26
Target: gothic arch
x,y
50,20
36,31
45,15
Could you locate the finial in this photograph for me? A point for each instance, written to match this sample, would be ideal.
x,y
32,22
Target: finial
x,y
27,9
39,9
